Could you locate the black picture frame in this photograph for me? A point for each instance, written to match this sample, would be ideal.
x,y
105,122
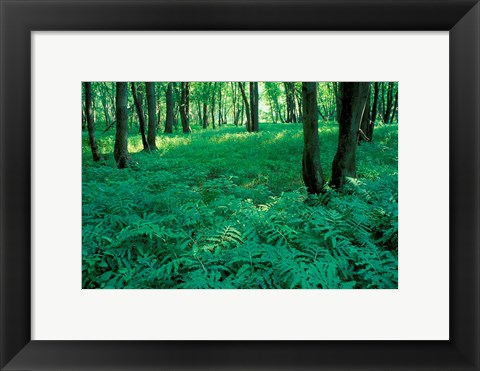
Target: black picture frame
x,y
18,18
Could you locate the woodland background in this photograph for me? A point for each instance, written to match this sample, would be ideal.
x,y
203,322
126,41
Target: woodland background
x,y
240,185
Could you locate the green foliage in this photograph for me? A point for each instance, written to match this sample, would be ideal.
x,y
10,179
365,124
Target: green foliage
x,y
227,209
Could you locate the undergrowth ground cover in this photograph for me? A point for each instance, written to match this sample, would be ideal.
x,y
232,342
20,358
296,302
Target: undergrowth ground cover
x,y
227,209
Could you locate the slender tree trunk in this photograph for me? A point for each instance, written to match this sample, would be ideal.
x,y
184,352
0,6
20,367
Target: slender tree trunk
x,y
103,97
254,106
247,107
373,117
205,115
84,119
365,123
388,106
169,116
152,121
311,166
141,118
220,105
212,107
290,100
279,111
242,112
234,103
395,108
299,103
353,97
184,108
90,122
120,152
338,101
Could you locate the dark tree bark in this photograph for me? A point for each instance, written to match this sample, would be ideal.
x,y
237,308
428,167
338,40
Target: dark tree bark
x,y
234,102
395,108
290,100
254,106
353,97
242,112
311,166
389,104
373,117
90,122
338,101
185,107
169,116
141,118
220,123
366,122
103,98
247,107
120,152
152,121
205,115
212,107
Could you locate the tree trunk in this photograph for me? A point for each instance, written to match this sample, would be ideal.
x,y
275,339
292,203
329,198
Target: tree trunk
x,y
169,116
152,122
90,122
290,100
212,107
373,117
299,103
103,97
388,107
184,107
121,136
247,107
220,123
353,97
141,118
234,103
254,106
395,107
311,166
366,122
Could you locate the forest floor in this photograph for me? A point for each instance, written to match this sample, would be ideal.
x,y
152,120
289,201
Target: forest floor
x,y
228,209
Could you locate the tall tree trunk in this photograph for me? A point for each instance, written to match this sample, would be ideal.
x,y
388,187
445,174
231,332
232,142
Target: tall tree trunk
x,y
290,100
120,152
299,103
279,111
220,105
141,118
242,112
373,117
353,97
338,101
184,107
205,115
234,103
152,121
365,123
212,107
103,97
388,106
254,105
311,166
247,107
90,122
395,107
169,116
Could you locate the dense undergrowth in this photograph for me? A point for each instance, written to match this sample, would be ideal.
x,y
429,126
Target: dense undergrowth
x,y
227,209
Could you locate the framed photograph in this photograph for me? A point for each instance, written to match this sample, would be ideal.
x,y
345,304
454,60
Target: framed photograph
x,y
194,172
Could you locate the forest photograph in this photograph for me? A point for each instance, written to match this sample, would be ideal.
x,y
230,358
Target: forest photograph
x,y
239,185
